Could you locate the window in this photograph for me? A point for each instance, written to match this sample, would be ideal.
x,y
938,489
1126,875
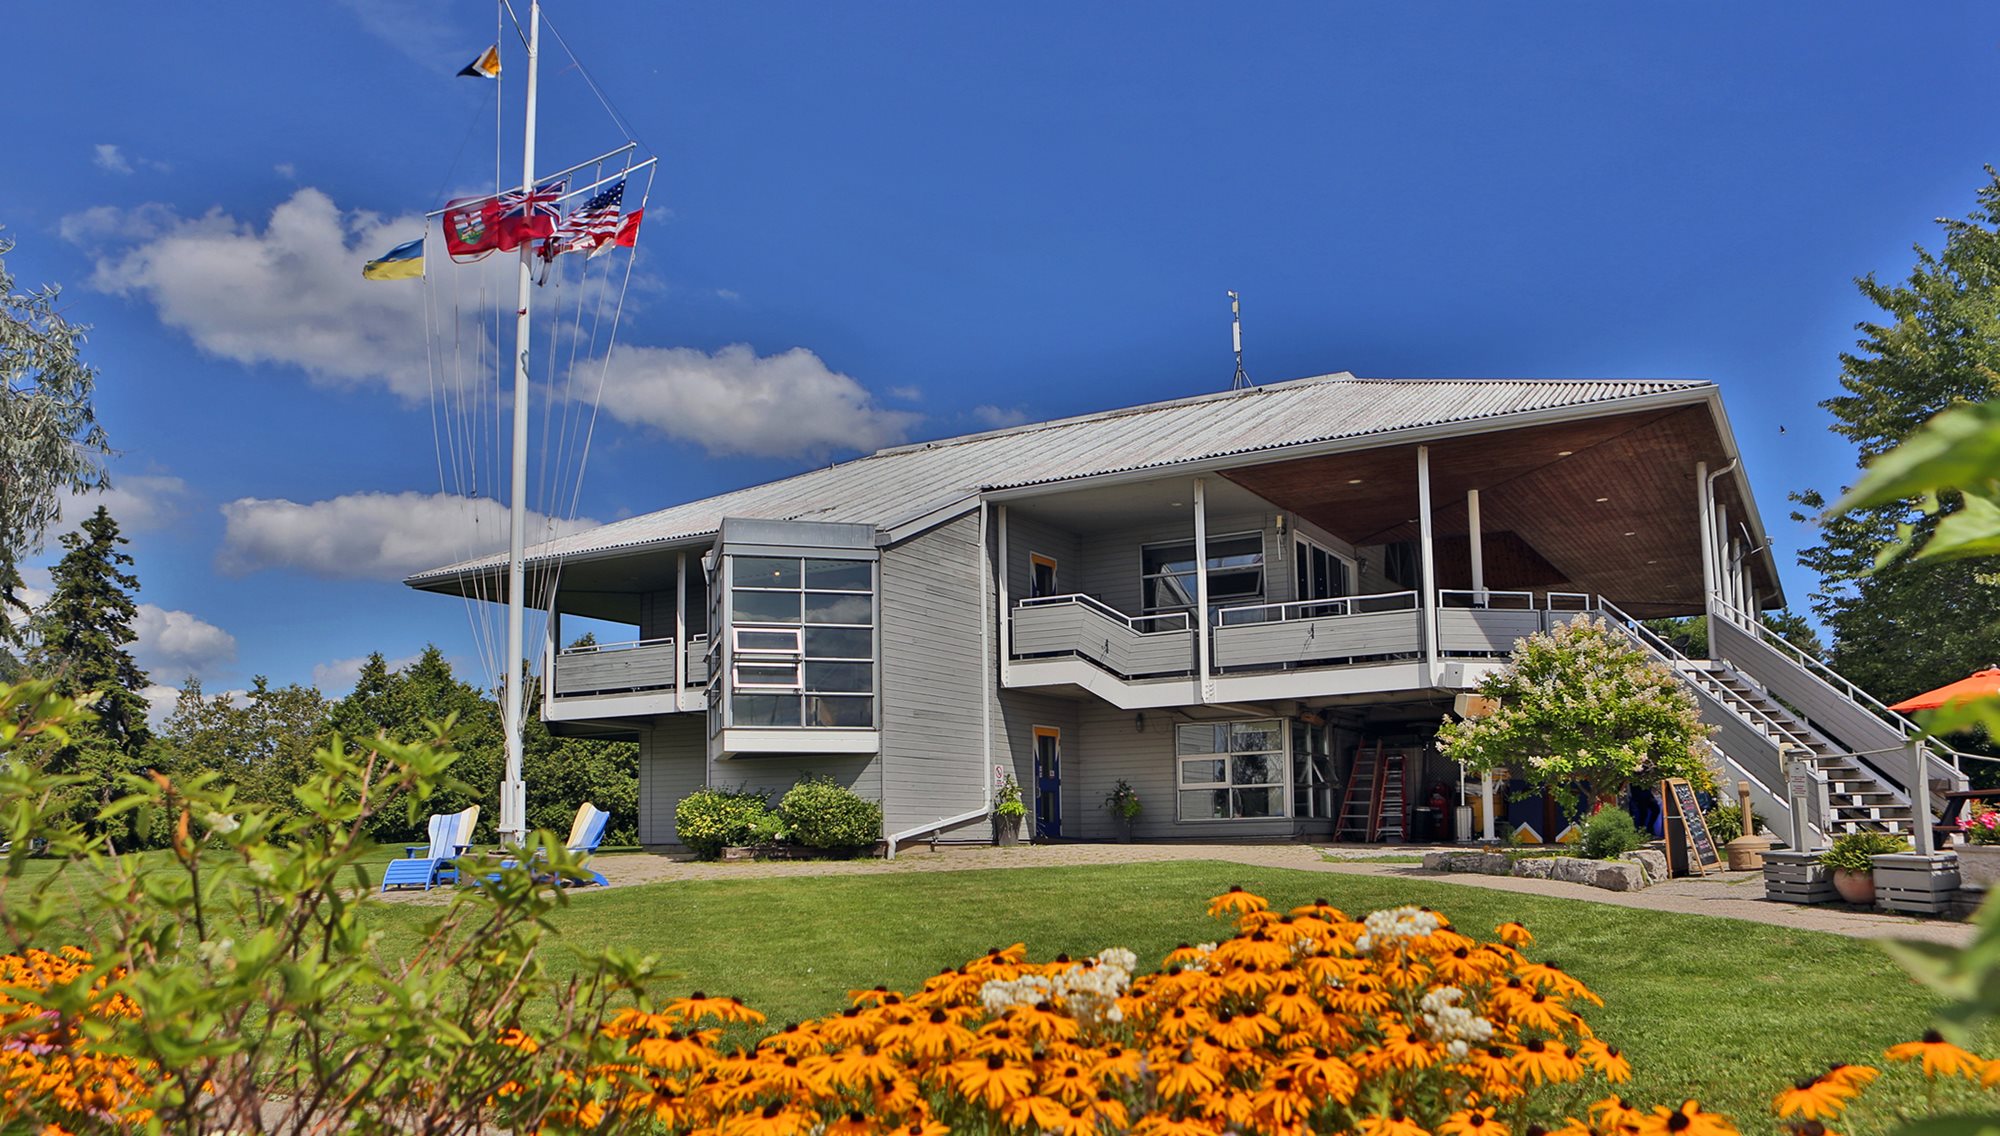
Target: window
x,y
1319,574
1041,576
1312,770
1399,564
1235,573
803,632
1231,770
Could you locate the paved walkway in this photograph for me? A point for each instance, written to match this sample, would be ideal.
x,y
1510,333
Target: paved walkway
x,y
1730,895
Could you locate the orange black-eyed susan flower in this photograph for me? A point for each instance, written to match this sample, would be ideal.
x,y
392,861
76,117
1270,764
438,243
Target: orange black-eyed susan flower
x,y
1687,1120
1939,1058
1472,1122
1814,1098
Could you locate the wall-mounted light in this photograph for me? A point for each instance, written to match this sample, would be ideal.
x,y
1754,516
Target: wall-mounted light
x,y
1279,521
1139,721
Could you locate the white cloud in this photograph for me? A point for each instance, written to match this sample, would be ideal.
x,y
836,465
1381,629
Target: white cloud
x,y
738,402
337,678
111,159
286,170
137,502
178,643
999,416
290,293
414,28
907,394
369,536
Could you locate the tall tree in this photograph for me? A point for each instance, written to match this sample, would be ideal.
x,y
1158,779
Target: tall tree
x,y
50,441
1914,624
80,638
399,703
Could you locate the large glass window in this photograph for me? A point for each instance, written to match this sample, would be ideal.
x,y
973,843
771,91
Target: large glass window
x,y
1319,575
1312,770
1235,573
804,642
1231,770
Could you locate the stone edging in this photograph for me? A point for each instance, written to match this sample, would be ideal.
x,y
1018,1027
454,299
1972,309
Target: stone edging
x,y
1631,872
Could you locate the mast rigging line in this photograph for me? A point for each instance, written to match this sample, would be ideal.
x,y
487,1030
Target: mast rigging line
x,y
608,154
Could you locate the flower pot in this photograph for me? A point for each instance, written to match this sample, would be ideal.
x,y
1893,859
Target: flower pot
x,y
1006,830
1978,866
1855,887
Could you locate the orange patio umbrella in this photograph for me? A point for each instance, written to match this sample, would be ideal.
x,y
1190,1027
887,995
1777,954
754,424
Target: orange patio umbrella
x,y
1981,684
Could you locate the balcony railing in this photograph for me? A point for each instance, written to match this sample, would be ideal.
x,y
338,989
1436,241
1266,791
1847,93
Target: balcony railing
x,y
626,668
1340,631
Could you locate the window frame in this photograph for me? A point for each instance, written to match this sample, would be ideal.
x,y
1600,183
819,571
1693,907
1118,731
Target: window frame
x,y
1234,599
1042,560
1229,785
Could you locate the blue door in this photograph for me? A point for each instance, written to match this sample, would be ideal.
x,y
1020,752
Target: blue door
x,y
1048,782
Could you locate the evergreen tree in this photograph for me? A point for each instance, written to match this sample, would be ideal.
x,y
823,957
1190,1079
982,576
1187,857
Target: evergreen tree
x,y
1914,624
398,704
80,639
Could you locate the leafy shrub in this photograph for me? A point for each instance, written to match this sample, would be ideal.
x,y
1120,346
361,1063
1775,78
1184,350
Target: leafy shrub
x,y
1007,802
1855,852
1610,833
1725,822
822,814
709,820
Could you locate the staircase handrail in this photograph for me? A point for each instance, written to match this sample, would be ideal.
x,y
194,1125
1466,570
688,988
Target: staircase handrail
x,y
1810,662
1672,656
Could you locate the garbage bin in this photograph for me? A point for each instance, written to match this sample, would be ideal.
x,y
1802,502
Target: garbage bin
x,y
1424,824
1464,819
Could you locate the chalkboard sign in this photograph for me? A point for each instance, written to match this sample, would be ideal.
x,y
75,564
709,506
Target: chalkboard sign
x,y
1690,846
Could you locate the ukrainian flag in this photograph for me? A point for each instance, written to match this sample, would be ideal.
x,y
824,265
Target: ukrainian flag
x,y
400,263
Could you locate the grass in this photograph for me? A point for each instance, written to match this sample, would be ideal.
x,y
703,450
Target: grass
x,y
1716,1008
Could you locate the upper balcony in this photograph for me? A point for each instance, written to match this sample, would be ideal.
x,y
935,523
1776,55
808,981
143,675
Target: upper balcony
x,y
1344,645
600,680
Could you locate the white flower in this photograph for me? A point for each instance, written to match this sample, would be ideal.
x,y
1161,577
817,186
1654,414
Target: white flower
x,y
220,954
221,824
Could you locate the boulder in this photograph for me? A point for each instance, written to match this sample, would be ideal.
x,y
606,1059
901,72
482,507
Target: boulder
x,y
1573,871
1652,861
1616,875
1483,863
1536,867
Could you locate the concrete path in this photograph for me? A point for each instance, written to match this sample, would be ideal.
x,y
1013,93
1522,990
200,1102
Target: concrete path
x,y
1731,895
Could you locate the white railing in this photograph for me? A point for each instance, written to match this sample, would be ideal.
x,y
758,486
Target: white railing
x,y
1315,609
1487,599
1817,667
1133,622
605,648
1694,672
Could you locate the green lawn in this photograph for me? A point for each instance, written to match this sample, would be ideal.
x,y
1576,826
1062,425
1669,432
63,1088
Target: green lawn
x,y
1724,1010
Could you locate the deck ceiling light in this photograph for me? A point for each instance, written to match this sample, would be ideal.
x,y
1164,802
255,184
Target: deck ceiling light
x,y
1602,500
1631,534
1564,453
1354,481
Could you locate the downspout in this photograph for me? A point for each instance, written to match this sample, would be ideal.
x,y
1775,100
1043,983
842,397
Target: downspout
x,y
1710,559
986,695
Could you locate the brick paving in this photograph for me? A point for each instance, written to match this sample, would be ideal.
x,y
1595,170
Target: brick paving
x,y
1730,895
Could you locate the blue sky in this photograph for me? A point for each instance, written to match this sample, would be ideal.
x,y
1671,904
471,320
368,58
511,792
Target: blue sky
x,y
898,221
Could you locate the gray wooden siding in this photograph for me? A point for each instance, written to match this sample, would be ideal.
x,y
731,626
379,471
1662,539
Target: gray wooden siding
x,y
775,774
599,672
1027,535
1309,640
671,765
933,676
1016,713
1488,631
1073,628
1110,746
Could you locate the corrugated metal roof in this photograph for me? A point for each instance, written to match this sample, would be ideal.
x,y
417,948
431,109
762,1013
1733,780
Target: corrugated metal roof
x,y
905,481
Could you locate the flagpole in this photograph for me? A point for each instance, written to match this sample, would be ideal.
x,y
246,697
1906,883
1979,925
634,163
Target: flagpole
x,y
513,791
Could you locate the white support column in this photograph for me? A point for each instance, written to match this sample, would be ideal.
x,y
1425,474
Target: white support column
x,y
1476,542
1920,799
1707,544
1429,566
1207,681
1721,514
1486,805
1005,614
682,656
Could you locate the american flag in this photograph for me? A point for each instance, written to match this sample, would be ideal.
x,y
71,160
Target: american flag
x,y
590,224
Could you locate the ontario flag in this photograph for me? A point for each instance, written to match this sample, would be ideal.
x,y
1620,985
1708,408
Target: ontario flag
x,y
475,226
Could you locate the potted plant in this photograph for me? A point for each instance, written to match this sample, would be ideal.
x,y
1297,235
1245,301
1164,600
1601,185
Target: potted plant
x,y
1123,805
1007,813
1979,856
1852,860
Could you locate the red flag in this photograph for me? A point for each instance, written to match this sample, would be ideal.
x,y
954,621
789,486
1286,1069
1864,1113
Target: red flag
x,y
469,226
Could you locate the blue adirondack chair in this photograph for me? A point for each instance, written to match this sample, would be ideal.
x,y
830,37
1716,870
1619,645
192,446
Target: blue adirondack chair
x,y
586,832
450,834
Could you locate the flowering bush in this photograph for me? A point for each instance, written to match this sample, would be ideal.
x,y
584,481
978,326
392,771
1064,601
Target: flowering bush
x,y
1581,703
1983,827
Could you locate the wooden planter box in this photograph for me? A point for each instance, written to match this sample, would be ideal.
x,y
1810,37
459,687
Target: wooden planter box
x,y
1797,877
1914,883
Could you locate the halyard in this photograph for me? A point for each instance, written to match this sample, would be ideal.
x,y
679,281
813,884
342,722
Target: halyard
x,y
1719,1009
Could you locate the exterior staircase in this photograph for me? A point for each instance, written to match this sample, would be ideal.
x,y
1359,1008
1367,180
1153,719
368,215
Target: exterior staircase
x,y
1771,702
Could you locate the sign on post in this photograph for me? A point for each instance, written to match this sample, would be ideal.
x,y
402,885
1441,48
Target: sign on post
x,y
1690,846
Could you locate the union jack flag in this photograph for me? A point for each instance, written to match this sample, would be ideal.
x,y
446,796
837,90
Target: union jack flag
x,y
590,224
523,217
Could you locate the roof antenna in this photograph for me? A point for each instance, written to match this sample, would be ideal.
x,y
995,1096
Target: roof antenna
x,y
1242,379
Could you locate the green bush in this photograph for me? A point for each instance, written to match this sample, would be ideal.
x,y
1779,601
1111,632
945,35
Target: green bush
x,y
1610,833
1856,851
822,814
1725,822
708,820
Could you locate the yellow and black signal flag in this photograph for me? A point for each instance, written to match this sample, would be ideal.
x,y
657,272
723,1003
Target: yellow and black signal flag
x,y
487,66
